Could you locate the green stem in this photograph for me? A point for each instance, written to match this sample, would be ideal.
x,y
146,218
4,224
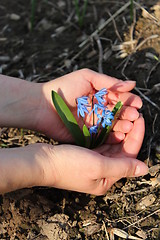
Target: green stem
x,y
132,10
79,15
105,131
33,8
83,12
77,9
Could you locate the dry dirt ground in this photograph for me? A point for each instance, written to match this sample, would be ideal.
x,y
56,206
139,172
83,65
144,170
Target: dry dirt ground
x,y
109,42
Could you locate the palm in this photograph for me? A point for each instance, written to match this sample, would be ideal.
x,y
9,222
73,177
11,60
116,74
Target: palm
x,y
83,83
83,170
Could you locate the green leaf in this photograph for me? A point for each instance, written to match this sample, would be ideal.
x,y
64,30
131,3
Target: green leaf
x,y
116,110
105,131
68,118
87,136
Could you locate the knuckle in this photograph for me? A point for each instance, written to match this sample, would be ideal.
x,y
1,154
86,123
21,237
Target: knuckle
x,y
103,186
128,170
86,71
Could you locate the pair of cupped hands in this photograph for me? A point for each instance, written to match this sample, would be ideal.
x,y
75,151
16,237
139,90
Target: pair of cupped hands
x,y
66,165
71,167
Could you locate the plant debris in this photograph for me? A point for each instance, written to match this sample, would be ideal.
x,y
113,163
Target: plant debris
x,y
55,46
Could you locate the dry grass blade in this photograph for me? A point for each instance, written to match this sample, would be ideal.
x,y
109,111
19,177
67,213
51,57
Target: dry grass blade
x,y
146,14
122,234
105,24
142,219
56,47
105,229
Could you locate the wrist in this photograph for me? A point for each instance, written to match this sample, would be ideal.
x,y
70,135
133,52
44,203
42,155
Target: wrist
x,y
19,102
24,167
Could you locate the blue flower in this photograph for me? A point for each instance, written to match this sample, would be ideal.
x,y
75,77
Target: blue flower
x,y
93,129
82,104
97,107
100,94
105,118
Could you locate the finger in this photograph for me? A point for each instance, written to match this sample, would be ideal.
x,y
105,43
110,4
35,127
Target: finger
x,y
123,126
126,113
129,113
133,141
110,150
123,167
100,81
128,99
115,137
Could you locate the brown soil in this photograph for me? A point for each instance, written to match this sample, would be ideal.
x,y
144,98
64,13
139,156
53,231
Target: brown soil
x,y
53,48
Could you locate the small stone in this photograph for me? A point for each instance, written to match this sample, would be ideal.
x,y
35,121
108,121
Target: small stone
x,y
14,17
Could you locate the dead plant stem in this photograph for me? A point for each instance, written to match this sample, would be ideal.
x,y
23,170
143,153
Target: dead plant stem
x,y
104,24
142,219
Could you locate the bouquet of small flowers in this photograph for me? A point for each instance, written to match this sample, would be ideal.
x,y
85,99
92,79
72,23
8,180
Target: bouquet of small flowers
x,y
102,123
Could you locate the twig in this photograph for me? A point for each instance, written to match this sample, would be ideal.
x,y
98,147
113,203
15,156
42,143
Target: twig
x,y
145,40
149,150
125,65
137,90
147,99
115,26
73,58
152,69
104,24
105,229
142,219
132,30
85,44
150,16
100,60
153,125
116,196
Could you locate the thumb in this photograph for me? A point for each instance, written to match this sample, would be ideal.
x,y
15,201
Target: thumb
x,y
124,167
116,168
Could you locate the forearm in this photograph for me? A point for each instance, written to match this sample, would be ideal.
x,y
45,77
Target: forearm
x,y
22,167
19,101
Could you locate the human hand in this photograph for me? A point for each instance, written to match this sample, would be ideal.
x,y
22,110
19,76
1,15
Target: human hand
x,y
83,83
72,167
79,169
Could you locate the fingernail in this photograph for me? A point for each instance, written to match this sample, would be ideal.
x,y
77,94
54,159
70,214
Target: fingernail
x,y
141,170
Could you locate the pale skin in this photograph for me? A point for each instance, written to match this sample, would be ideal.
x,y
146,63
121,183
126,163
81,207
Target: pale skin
x,y
28,105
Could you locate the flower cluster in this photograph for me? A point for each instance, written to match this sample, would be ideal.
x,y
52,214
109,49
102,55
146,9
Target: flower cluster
x,y
98,108
93,107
